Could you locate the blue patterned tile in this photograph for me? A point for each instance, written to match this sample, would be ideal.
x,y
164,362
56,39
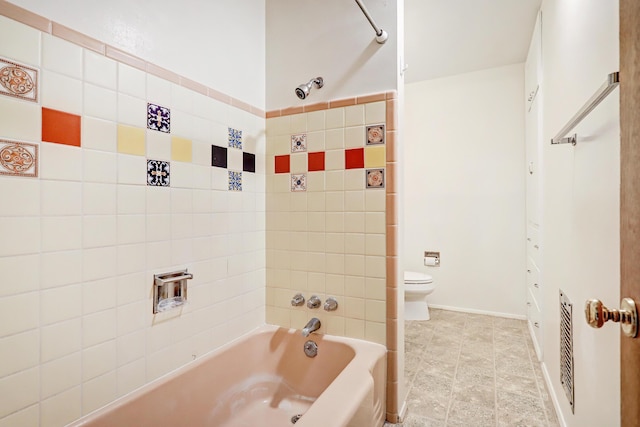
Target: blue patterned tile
x,y
235,138
298,143
299,182
235,181
158,118
158,173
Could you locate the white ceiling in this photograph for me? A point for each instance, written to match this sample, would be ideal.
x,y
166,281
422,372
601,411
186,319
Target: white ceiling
x,y
447,37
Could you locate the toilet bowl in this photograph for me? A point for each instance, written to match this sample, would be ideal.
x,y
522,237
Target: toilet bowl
x,y
416,288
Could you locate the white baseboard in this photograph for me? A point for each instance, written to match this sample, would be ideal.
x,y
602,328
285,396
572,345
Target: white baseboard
x,y
473,311
552,393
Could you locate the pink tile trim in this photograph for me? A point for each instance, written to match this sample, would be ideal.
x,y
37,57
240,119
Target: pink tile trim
x,y
24,16
346,102
43,24
371,98
194,86
125,58
75,37
343,102
163,73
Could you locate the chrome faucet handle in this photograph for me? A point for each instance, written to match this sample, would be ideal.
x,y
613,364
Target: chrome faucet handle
x,y
331,304
297,300
314,302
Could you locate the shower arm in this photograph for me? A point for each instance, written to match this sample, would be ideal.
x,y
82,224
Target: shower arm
x,y
381,35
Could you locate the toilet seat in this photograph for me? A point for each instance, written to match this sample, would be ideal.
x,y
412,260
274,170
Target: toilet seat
x,y
413,277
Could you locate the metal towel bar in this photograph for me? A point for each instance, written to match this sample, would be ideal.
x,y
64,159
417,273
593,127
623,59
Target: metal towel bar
x,y
613,80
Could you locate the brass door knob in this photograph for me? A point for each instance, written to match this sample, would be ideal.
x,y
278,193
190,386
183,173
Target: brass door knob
x,y
597,315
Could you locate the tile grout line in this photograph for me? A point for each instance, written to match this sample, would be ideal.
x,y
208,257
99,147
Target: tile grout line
x,y
495,372
455,373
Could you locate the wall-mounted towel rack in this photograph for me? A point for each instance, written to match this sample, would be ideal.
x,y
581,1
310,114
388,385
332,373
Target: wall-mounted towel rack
x,y
613,80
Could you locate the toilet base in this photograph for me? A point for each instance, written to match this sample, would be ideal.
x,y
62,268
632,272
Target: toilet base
x,y
416,310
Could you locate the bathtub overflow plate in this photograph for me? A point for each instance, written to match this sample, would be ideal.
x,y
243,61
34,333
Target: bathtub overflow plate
x,y
311,349
295,418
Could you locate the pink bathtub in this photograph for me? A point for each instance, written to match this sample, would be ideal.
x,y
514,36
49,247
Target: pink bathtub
x,y
263,380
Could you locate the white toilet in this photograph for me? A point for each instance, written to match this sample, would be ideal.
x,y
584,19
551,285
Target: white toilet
x,y
416,288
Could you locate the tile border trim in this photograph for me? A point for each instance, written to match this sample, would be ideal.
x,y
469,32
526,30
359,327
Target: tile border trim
x,y
326,105
45,25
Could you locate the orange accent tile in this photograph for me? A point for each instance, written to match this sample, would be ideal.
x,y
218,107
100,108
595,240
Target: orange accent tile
x,y
391,146
354,158
292,110
75,37
25,16
125,58
343,102
371,98
61,127
315,161
316,107
283,164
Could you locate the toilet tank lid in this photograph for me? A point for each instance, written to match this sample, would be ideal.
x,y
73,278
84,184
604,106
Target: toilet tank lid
x,y
415,277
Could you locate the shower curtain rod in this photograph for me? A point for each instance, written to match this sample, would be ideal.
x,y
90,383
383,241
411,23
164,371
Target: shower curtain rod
x,y
381,35
612,82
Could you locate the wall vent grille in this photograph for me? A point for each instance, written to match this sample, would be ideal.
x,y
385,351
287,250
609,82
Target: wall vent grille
x,y
566,348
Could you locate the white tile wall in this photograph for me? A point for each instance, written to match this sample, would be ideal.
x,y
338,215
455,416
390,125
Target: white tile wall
x,y
81,242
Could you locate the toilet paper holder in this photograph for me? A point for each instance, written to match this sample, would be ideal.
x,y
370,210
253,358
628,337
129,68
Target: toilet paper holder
x,y
432,259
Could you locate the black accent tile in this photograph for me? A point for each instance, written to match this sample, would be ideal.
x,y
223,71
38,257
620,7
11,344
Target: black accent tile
x,y
219,156
248,162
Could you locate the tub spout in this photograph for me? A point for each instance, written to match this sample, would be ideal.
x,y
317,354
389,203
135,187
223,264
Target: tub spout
x,y
312,326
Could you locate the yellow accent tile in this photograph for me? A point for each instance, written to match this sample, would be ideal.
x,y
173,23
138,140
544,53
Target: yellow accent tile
x,y
181,149
131,140
375,157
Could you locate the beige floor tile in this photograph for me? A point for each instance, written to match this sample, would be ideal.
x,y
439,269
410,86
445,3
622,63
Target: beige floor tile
x,y
473,370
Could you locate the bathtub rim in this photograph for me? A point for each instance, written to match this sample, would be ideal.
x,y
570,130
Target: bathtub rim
x,y
356,381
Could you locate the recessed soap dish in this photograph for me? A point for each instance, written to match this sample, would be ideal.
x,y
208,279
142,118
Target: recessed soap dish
x,y
170,290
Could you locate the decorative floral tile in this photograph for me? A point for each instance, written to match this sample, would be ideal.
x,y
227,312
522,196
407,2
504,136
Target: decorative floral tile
x,y
298,143
158,173
375,178
219,156
375,134
248,162
299,182
235,138
235,181
18,158
18,80
158,118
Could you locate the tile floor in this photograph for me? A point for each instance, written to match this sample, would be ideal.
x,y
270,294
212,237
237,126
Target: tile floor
x,y
469,370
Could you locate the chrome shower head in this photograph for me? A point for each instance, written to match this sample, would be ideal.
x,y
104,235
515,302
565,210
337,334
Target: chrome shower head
x,y
303,90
